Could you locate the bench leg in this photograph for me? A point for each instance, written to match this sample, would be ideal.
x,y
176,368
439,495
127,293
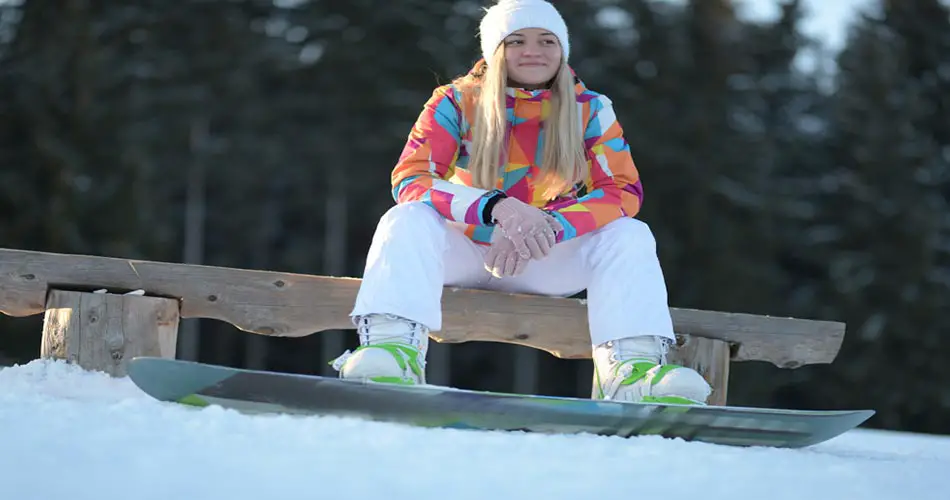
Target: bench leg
x,y
709,357
102,331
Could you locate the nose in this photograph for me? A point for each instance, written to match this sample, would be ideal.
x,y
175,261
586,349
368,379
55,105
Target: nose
x,y
532,49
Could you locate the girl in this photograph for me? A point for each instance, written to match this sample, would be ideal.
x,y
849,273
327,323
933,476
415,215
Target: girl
x,y
517,178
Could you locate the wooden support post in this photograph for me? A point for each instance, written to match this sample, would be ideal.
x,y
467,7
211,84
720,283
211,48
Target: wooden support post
x,y
709,357
102,331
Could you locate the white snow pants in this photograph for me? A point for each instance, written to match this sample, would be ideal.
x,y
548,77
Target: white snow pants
x,y
415,252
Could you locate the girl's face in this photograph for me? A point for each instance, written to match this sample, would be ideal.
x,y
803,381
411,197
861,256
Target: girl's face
x,y
532,57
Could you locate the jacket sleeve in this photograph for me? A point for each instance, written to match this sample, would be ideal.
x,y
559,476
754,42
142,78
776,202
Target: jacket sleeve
x,y
428,161
613,185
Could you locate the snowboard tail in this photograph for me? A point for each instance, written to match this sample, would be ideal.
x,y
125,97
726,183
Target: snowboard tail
x,y
255,392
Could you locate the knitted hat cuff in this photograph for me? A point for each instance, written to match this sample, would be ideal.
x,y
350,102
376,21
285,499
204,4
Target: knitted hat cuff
x,y
508,16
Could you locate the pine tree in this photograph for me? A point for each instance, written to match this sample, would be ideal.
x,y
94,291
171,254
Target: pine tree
x,y
886,200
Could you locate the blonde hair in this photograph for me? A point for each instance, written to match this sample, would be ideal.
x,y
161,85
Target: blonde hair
x,y
564,159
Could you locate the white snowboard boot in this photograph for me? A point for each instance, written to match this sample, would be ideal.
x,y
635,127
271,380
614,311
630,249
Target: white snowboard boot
x,y
392,350
634,369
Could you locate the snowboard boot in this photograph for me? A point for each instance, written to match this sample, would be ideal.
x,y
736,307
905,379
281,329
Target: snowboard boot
x,y
392,350
634,369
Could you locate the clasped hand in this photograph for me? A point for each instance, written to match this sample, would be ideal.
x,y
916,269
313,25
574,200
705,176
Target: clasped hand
x,y
523,232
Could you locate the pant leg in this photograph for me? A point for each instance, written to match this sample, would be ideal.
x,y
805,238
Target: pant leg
x,y
413,255
626,293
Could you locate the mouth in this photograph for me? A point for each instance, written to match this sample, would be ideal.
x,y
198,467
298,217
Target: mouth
x,y
533,65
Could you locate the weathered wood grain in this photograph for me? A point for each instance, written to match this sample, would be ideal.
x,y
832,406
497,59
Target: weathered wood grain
x,y
103,332
294,305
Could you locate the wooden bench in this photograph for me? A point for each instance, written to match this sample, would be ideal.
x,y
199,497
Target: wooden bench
x,y
101,331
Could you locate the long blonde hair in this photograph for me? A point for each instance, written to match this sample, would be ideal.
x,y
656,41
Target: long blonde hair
x,y
564,160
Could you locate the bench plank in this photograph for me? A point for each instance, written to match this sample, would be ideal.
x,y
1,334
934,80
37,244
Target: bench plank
x,y
295,305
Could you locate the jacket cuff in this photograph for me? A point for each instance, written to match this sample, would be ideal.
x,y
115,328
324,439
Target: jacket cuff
x,y
493,197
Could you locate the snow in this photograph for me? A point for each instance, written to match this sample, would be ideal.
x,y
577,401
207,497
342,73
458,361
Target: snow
x,y
66,433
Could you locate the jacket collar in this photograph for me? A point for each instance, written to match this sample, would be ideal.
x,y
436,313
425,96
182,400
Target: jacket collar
x,y
528,94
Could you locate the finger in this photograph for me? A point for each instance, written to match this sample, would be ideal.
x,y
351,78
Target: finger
x,y
490,257
493,261
521,247
510,263
490,267
519,267
538,241
496,268
544,243
553,228
551,237
534,245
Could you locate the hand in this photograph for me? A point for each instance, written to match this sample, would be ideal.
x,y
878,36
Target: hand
x,y
531,230
502,259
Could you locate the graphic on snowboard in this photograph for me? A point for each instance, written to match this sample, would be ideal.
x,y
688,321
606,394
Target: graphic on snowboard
x,y
252,391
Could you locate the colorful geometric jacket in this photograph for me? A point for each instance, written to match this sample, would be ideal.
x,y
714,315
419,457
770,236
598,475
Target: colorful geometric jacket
x,y
432,166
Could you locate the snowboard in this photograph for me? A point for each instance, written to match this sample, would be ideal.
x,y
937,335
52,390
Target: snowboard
x,y
263,392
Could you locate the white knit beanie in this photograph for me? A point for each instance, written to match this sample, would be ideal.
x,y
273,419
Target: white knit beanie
x,y
508,16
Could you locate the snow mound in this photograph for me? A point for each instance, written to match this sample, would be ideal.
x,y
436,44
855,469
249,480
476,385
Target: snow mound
x,y
67,433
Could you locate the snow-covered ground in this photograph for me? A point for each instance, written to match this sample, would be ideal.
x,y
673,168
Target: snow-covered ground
x,y
68,434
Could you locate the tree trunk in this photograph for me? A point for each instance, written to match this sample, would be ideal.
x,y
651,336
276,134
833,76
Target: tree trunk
x,y
195,216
